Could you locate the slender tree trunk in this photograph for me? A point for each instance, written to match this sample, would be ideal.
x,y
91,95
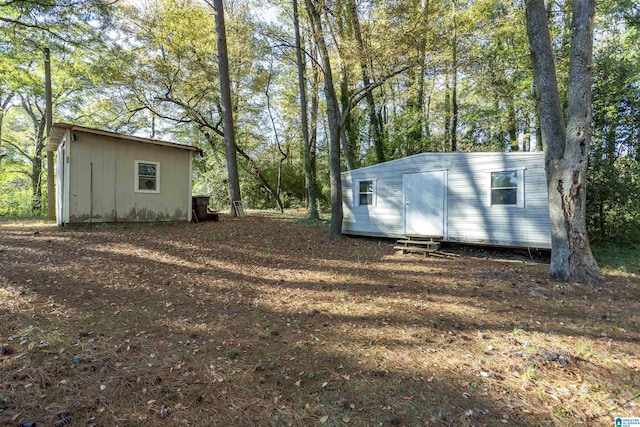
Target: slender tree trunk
x,y
454,84
1,121
309,171
313,116
447,114
419,91
36,186
333,119
566,147
375,124
512,127
526,140
3,109
227,107
348,132
36,170
427,114
38,119
283,154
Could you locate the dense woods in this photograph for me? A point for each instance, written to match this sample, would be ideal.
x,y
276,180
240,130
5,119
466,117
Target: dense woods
x,y
379,80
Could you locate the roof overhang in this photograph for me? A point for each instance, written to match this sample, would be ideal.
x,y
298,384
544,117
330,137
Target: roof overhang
x,y
59,130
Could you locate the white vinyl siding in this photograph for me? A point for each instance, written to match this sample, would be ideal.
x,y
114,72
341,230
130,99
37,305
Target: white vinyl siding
x,y
469,215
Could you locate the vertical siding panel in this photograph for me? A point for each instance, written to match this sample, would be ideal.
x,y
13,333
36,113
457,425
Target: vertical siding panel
x,y
114,198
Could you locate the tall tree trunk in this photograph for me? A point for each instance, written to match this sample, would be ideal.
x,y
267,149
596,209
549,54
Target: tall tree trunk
x,y
227,107
348,132
38,120
526,140
512,125
454,84
283,153
375,124
36,169
309,171
3,109
419,91
566,148
447,114
36,186
333,119
313,115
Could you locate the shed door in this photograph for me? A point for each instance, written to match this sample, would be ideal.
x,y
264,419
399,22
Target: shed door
x,y
424,195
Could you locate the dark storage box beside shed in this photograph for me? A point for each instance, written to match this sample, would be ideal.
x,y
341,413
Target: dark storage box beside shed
x,y
199,205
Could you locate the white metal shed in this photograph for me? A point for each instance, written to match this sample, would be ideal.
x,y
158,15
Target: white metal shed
x,y
482,198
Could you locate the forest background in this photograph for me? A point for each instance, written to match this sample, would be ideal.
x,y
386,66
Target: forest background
x,y
411,76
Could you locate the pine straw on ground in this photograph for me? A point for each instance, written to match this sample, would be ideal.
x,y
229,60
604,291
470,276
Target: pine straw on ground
x,y
265,321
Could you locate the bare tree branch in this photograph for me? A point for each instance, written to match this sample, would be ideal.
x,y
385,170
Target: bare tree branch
x,y
362,93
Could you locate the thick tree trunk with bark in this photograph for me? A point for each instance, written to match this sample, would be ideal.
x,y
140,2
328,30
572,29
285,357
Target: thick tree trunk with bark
x,y
227,107
333,119
309,169
566,147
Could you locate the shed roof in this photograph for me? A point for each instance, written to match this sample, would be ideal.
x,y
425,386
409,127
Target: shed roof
x,y
58,131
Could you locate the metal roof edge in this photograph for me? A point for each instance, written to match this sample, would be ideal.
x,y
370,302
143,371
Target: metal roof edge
x,y
450,153
59,129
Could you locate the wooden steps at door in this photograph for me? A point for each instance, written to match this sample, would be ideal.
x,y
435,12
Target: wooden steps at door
x,y
414,244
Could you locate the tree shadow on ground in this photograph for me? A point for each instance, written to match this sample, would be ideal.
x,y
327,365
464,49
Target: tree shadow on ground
x,y
244,330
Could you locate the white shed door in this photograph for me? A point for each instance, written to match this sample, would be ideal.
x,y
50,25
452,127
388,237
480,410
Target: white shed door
x,y
424,203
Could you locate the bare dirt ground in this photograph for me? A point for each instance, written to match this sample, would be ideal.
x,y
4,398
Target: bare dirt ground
x,y
264,321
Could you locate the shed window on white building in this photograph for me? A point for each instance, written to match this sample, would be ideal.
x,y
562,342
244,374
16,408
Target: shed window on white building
x,y
147,177
507,188
366,193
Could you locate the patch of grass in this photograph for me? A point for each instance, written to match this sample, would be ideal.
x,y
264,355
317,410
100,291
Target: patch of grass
x,y
584,349
308,222
530,374
517,331
300,216
562,411
616,258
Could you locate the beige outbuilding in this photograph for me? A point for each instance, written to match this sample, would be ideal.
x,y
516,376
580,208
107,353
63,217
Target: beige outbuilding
x,y
110,177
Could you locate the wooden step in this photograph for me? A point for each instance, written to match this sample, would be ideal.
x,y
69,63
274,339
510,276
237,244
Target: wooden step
x,y
406,249
414,244
419,242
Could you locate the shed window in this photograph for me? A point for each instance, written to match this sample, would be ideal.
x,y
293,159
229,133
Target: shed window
x,y
504,188
147,177
366,193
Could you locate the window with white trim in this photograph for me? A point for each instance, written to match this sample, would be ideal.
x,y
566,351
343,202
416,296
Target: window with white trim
x,y
147,177
366,193
507,188
504,188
